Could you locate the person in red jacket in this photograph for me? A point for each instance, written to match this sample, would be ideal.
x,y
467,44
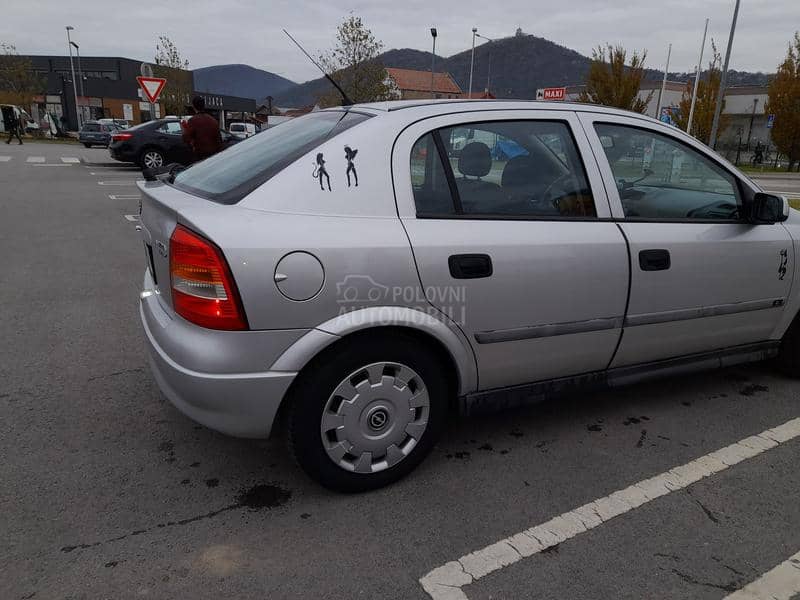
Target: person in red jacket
x,y
201,132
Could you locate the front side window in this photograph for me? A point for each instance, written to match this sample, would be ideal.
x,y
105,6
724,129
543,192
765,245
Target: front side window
x,y
502,168
658,177
230,175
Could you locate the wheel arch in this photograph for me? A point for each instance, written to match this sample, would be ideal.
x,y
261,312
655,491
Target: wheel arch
x,y
444,336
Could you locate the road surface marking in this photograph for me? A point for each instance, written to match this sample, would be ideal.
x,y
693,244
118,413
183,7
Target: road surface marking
x,y
5,158
132,217
446,582
51,165
124,196
35,159
70,160
781,583
116,183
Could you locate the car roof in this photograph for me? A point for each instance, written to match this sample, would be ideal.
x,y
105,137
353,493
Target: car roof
x,y
432,107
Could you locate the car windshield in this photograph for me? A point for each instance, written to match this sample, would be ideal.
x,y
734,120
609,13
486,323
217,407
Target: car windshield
x,y
229,176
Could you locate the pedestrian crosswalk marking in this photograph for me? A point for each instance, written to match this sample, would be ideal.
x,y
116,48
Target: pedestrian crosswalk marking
x,y
70,159
5,158
36,159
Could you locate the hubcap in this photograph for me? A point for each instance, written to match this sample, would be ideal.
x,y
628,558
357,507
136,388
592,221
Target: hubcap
x,y
152,159
375,417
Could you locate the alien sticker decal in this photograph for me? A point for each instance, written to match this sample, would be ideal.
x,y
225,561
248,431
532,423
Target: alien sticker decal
x,y
320,172
784,262
350,155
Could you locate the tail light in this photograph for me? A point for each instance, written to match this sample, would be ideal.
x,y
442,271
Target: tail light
x,y
203,290
121,137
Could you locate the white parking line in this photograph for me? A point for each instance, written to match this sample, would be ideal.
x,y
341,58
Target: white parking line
x,y
51,165
124,196
70,160
116,183
446,582
35,159
5,158
781,583
132,217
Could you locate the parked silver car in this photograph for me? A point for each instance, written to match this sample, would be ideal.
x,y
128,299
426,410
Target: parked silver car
x,y
357,274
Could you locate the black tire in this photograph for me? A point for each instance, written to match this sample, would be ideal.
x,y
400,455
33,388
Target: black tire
x,y
319,379
788,360
87,145
147,151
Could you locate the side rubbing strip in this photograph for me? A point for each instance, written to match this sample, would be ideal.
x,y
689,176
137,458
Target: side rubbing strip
x,y
702,312
550,330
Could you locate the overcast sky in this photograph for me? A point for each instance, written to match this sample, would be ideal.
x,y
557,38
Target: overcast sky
x,y
210,32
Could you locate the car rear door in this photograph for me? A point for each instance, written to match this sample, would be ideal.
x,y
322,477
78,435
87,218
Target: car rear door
x,y
702,278
509,224
170,136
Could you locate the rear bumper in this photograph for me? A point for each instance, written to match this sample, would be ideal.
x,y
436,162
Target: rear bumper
x,y
237,404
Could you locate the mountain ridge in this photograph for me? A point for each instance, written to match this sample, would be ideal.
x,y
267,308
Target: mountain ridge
x,y
514,67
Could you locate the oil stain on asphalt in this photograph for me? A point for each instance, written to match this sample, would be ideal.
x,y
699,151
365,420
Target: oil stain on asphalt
x,y
253,498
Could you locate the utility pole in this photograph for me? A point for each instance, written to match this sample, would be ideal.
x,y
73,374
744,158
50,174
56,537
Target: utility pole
x,y
433,61
697,80
663,85
472,61
723,80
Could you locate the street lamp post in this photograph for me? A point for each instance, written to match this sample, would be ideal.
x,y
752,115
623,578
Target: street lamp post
x,y
433,60
80,71
489,68
472,61
72,69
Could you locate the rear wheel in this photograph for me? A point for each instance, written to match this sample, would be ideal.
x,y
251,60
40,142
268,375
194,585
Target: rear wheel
x,y
367,414
151,158
87,145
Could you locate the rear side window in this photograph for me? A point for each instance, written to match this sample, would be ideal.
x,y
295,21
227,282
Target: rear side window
x,y
229,176
171,128
501,168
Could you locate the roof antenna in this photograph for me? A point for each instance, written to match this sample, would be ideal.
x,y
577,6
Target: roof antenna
x,y
345,99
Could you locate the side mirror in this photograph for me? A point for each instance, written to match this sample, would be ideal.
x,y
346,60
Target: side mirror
x,y
768,209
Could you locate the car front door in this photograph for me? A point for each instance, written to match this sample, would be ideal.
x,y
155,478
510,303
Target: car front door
x,y
508,221
702,277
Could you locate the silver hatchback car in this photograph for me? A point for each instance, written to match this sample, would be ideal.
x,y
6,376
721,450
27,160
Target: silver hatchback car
x,y
358,274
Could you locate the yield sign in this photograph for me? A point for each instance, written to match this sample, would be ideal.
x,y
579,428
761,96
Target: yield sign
x,y
151,86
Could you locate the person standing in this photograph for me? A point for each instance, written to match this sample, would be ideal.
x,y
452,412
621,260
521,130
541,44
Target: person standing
x,y
201,132
13,126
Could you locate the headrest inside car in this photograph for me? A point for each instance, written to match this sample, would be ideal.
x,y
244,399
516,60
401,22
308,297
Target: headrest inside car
x,y
475,160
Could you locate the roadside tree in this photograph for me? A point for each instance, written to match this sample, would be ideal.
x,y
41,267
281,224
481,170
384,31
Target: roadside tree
x,y
18,83
707,91
613,82
176,95
353,63
784,103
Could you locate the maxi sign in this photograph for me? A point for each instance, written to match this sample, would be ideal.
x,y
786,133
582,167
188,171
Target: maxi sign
x,y
551,93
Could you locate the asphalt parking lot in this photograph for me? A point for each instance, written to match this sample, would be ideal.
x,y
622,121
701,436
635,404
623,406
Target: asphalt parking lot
x,y
108,492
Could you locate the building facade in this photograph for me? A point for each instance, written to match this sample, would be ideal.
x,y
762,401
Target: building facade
x,y
107,88
746,120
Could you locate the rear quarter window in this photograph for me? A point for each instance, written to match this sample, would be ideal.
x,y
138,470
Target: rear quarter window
x,y
230,175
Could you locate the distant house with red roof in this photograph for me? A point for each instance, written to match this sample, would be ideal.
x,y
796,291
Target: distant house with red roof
x,y
411,84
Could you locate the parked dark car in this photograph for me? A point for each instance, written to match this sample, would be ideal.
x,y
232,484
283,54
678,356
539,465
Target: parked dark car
x,y
94,133
156,143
